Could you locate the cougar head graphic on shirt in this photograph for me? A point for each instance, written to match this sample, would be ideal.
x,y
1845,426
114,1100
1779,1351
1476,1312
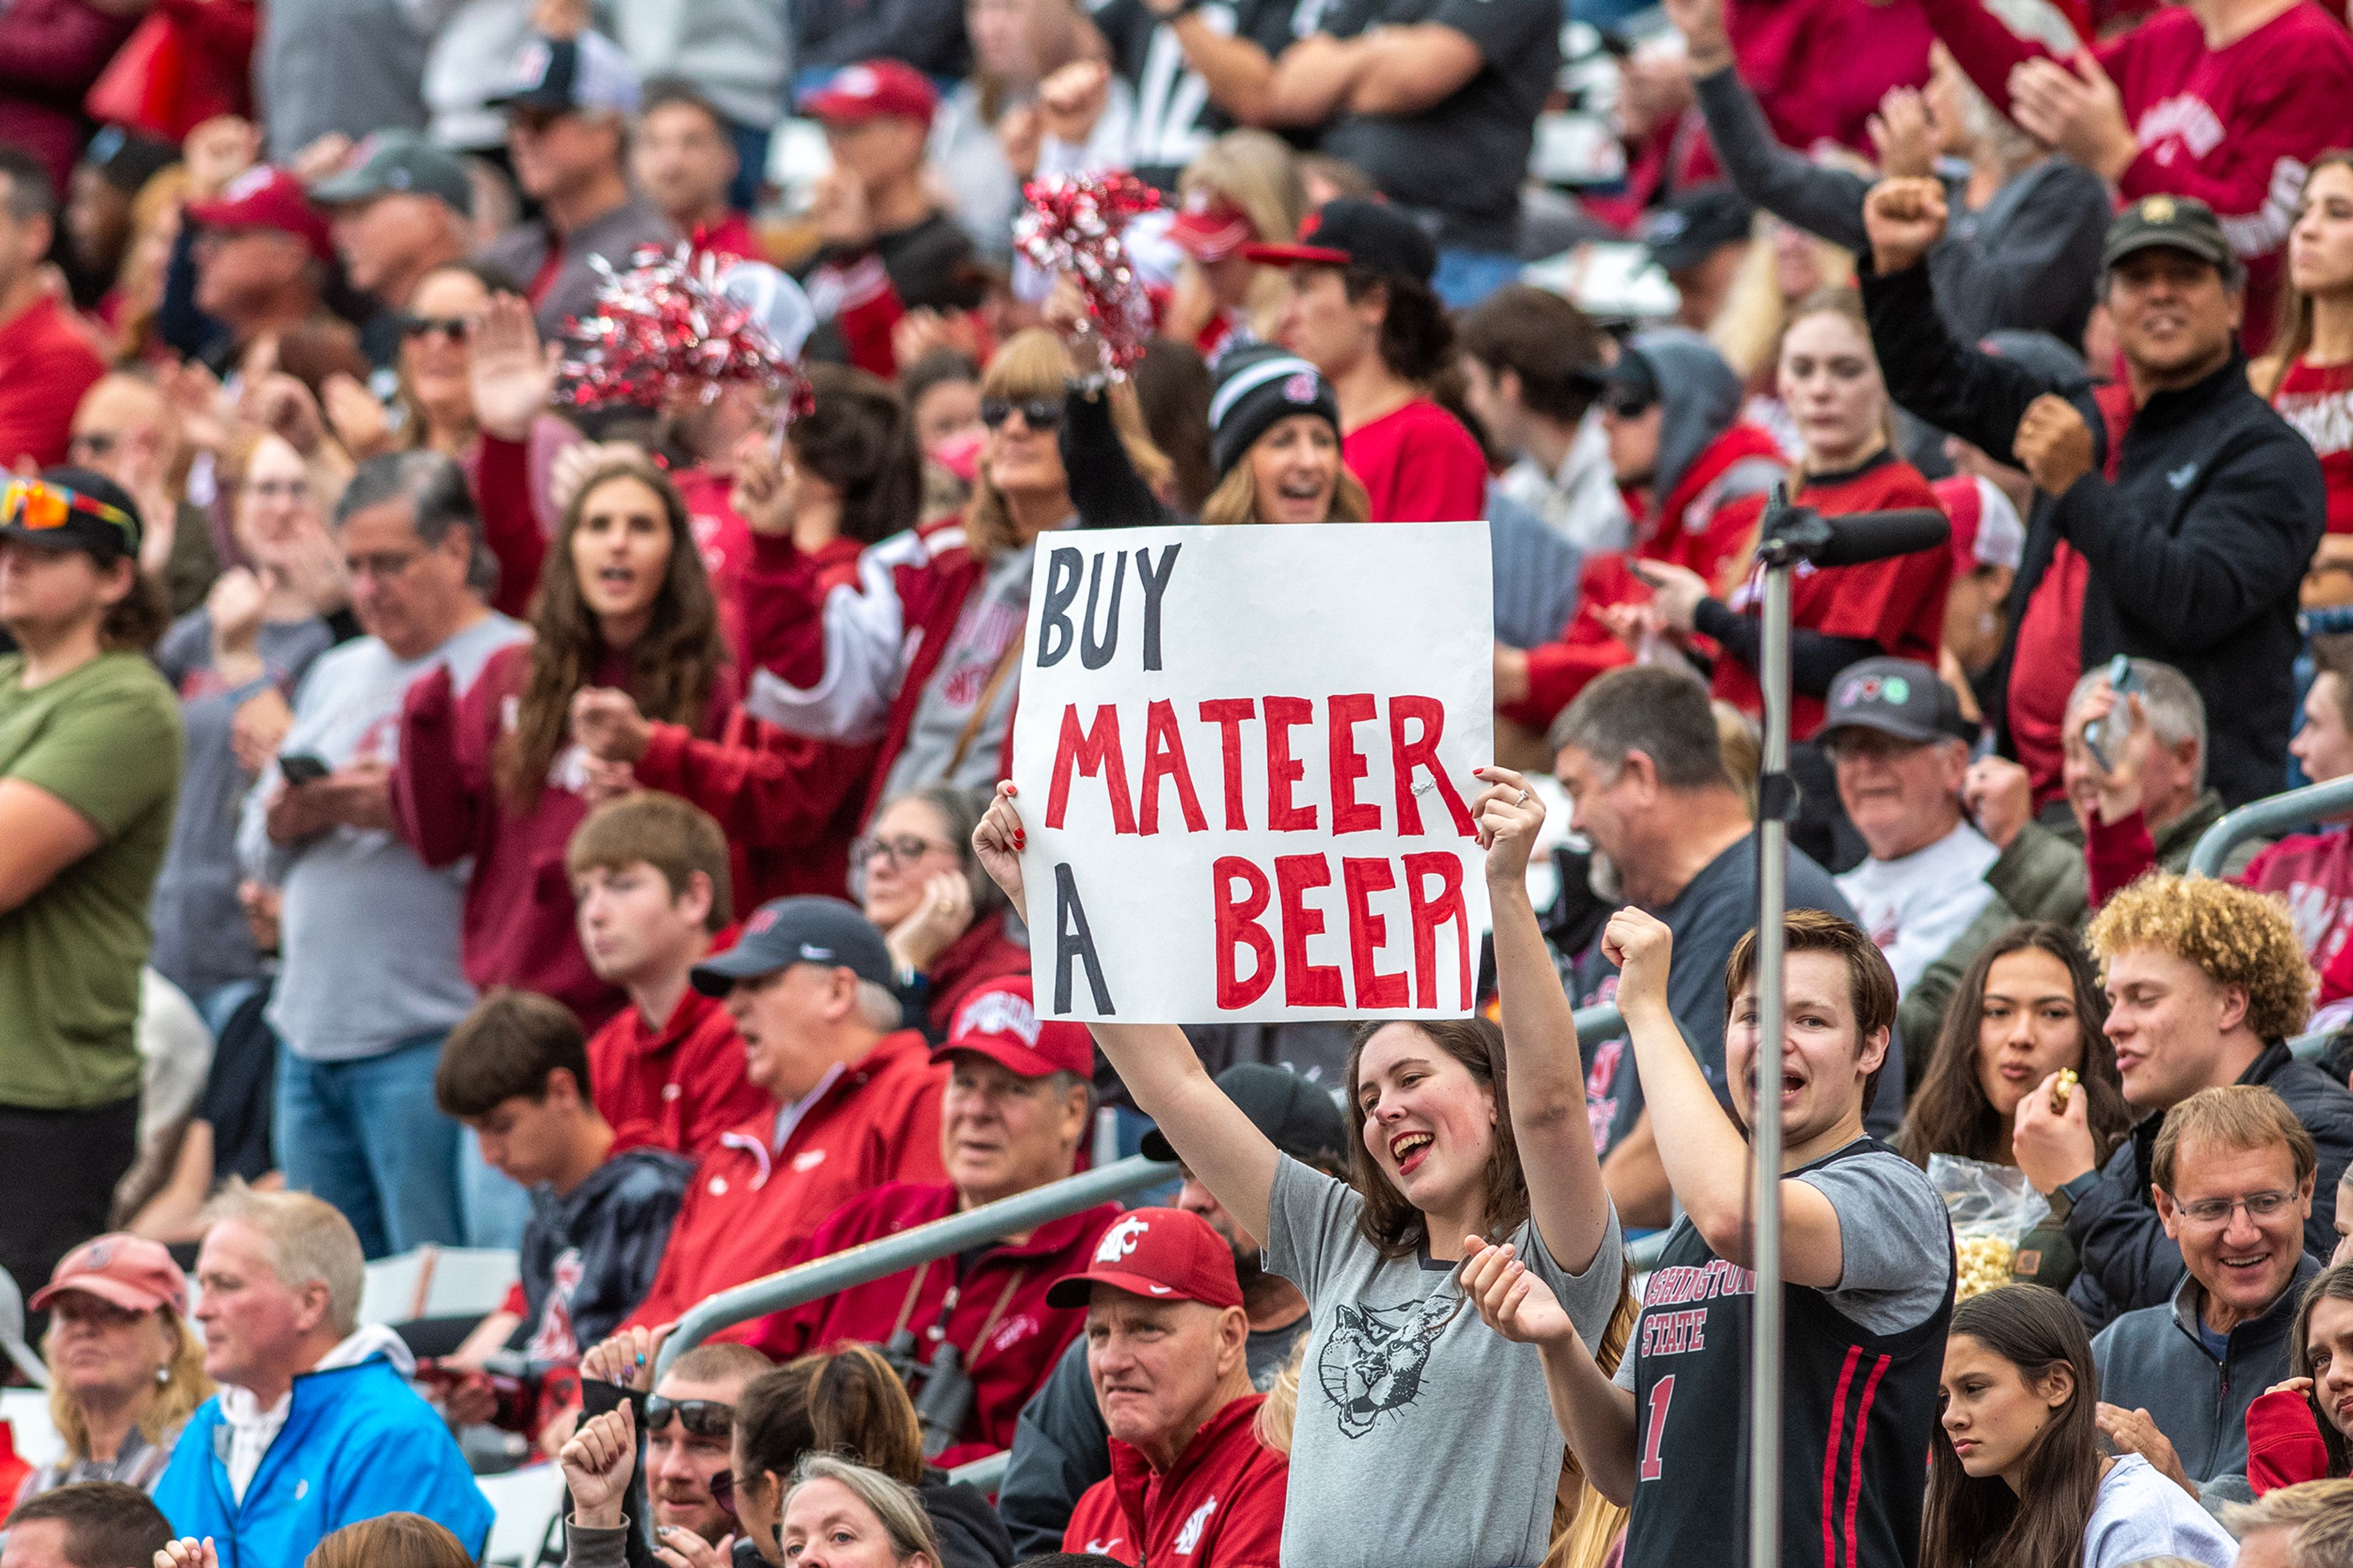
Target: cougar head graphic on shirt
x,y
1373,1363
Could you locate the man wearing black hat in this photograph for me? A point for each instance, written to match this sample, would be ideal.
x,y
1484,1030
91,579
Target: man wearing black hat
x,y
1361,311
1900,747
1060,1449
2184,511
1698,239
89,766
857,1099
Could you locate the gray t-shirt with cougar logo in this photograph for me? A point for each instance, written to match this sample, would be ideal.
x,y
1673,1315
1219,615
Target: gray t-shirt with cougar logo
x,y
1423,1435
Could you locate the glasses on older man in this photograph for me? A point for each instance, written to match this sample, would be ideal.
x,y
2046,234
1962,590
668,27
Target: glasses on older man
x,y
2217,1211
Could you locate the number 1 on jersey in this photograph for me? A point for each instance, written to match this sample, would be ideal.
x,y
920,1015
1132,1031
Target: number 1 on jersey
x,y
1663,1394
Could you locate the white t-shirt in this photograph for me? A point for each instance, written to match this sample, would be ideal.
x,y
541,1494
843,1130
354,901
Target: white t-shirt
x,y
1916,907
2141,1513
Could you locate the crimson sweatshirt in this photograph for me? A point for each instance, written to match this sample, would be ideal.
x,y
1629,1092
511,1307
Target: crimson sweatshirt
x,y
2235,127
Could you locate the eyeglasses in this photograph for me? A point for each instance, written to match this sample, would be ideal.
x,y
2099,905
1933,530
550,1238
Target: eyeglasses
x,y
700,1417
2217,1211
453,327
1041,414
279,490
38,505
901,851
1628,406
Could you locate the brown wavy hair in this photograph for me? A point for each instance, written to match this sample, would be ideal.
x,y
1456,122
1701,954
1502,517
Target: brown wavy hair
x,y
672,667
2291,334
848,1402
2334,1283
390,1540
1976,1522
1950,1113
1394,1227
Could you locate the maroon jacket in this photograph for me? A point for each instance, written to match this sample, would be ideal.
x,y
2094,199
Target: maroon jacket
x,y
51,53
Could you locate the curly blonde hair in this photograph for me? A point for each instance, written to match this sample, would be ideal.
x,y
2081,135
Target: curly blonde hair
x,y
2239,937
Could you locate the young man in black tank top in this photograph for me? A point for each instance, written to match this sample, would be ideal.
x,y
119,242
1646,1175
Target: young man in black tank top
x,y
1866,1264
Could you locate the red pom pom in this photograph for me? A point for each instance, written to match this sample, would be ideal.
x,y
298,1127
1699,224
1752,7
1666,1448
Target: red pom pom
x,y
663,330
1073,225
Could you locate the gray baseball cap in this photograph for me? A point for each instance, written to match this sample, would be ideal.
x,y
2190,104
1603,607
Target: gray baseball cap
x,y
392,162
786,931
1898,697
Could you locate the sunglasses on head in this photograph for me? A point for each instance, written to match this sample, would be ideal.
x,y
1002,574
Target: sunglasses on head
x,y
38,505
453,327
700,1417
1038,413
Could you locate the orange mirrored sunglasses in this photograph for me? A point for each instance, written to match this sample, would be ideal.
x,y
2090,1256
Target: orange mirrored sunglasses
x,y
36,505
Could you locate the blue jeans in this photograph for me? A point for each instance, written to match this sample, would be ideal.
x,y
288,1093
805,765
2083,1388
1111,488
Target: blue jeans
x,y
497,1206
751,164
1466,277
366,1136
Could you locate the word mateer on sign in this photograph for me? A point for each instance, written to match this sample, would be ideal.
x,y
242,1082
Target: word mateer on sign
x,y
1253,759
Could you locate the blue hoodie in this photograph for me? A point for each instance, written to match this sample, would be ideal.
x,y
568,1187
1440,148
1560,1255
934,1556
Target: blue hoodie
x,y
357,1442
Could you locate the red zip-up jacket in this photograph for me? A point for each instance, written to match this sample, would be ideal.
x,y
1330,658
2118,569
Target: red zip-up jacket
x,y
991,1306
1219,1506
2284,1443
751,1205
1680,533
2235,127
679,1087
519,919
849,662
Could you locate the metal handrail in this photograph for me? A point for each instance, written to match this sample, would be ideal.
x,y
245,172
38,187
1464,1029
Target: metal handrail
x,y
2266,817
804,1282
791,1288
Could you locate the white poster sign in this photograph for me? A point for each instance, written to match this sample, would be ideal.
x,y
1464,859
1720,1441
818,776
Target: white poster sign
x,y
1244,757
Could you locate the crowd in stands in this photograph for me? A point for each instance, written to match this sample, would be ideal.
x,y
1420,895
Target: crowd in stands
x,y
441,809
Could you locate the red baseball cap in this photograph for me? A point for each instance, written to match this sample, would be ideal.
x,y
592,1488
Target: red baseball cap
x,y
130,1271
1000,1020
871,88
1161,1254
1985,527
264,197
1209,228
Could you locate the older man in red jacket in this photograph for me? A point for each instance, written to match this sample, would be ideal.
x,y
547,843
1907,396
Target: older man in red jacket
x,y
857,1100
1189,1480
976,1329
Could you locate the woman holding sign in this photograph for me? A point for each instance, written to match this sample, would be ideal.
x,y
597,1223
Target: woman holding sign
x,y
1468,1134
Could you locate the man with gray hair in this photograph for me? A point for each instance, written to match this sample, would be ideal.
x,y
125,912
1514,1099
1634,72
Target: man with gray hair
x,y
315,1426
2304,1526
1638,753
856,1096
370,978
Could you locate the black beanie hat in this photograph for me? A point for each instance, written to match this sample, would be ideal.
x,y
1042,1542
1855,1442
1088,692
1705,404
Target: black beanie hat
x,y
1259,387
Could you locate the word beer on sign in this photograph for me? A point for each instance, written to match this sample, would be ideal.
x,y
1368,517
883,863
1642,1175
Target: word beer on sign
x,y
1245,760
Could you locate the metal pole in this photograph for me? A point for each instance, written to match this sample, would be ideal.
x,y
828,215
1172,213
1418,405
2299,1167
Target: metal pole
x,y
1765,1129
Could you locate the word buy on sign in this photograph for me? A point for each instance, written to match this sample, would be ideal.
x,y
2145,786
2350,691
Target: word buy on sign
x,y
1245,758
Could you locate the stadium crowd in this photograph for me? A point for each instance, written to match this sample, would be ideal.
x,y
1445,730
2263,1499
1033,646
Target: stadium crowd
x,y
441,809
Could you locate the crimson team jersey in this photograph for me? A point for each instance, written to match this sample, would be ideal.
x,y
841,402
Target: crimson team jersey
x,y
1417,465
2318,399
2235,127
1898,603
1859,1383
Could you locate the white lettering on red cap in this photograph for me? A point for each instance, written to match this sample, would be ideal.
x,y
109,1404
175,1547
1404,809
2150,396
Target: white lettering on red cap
x,y
1120,1239
1000,1013
858,81
245,185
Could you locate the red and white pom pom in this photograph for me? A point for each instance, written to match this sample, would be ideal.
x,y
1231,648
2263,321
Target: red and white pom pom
x,y
1073,225
663,331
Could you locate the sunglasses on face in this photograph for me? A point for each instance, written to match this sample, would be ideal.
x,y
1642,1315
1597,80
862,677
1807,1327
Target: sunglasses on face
x,y
1627,408
453,328
1040,414
722,1490
700,1417
38,505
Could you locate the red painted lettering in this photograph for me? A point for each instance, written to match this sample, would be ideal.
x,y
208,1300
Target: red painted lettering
x,y
1368,931
1164,758
1284,714
1421,753
1431,911
1341,715
1228,713
1239,924
1304,985
1092,751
